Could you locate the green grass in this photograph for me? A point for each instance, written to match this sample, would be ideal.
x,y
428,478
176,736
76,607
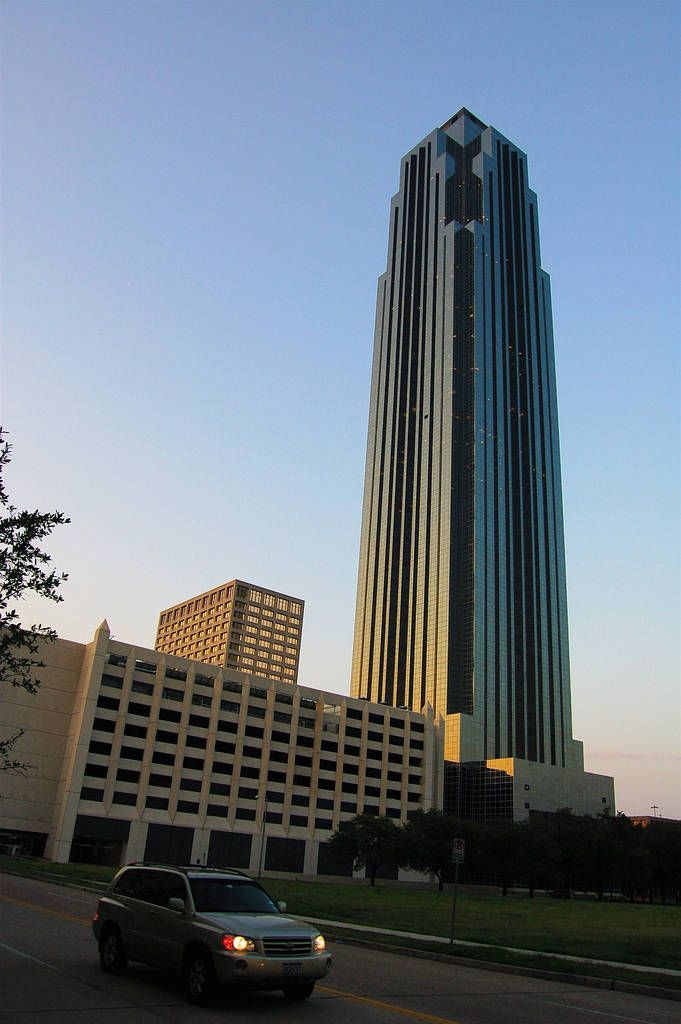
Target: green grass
x,y
622,932
638,934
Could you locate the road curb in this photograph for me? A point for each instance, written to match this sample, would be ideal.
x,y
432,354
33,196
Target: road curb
x,y
532,972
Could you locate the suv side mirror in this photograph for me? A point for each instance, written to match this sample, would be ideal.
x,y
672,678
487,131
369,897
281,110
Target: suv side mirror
x,y
175,903
282,904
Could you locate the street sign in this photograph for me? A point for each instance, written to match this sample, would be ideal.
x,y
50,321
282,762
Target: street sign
x,y
458,851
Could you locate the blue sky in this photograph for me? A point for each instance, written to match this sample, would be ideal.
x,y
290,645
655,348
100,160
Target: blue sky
x,y
194,216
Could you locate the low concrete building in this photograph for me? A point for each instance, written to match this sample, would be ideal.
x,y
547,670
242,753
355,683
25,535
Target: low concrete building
x,y
137,754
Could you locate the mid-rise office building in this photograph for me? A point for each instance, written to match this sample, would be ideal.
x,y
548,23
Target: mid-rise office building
x,y
239,625
461,600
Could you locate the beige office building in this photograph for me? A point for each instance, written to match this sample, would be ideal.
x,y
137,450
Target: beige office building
x,y
138,754
238,625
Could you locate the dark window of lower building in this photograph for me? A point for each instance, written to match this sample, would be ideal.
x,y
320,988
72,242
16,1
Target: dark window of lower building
x,y
132,753
90,793
160,757
156,779
97,771
157,803
128,799
245,813
218,811
188,806
191,785
104,724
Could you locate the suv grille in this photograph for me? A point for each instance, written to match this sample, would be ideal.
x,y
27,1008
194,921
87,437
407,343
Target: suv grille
x,y
287,946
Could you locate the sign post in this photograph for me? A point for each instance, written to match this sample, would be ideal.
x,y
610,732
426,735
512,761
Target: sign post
x,y
458,851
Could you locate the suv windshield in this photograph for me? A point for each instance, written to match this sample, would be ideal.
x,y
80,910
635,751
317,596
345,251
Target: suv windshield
x,y
233,896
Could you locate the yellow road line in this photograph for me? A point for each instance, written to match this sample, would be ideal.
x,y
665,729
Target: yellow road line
x,y
44,910
379,1004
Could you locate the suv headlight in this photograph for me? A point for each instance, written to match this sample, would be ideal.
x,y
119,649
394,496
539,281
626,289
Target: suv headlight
x,y
237,944
319,944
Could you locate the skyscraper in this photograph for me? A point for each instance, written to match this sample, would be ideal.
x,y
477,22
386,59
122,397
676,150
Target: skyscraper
x,y
461,599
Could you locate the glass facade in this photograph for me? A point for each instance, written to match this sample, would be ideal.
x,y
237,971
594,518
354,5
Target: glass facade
x,y
461,599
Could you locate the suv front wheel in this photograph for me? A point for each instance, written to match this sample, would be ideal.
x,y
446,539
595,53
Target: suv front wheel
x,y
111,952
199,977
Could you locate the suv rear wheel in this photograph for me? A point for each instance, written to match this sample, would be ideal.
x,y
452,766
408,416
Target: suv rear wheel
x,y
111,952
199,977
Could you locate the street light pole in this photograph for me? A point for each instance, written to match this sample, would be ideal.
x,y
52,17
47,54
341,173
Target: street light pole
x,y
261,858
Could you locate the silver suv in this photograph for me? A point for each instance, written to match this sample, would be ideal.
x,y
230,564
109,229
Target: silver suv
x,y
214,926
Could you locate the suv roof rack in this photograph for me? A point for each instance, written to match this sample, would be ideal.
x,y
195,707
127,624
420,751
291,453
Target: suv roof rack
x,y
185,868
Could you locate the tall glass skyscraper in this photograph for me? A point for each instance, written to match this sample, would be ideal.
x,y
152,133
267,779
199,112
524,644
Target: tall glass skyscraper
x,y
461,599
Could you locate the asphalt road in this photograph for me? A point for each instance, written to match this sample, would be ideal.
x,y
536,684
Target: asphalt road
x,y
49,974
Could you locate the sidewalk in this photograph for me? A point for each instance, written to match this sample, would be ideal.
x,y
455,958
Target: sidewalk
x,y
484,945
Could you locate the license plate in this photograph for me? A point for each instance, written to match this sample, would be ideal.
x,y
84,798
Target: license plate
x,y
293,969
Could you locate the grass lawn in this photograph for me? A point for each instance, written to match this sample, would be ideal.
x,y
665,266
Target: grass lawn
x,y
638,934
630,933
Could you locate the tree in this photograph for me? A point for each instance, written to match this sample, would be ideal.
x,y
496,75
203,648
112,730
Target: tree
x,y
24,568
427,843
371,841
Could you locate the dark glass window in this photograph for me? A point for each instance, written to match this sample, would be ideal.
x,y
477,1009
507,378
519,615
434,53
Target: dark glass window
x,y
115,682
104,724
156,779
138,731
163,736
110,703
199,721
97,771
188,806
193,762
223,747
218,810
196,741
158,803
176,673
160,757
245,813
89,793
135,708
219,789
191,785
127,775
168,715
139,687
132,753
128,799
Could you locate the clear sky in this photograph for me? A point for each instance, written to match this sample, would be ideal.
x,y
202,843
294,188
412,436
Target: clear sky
x,y
195,213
